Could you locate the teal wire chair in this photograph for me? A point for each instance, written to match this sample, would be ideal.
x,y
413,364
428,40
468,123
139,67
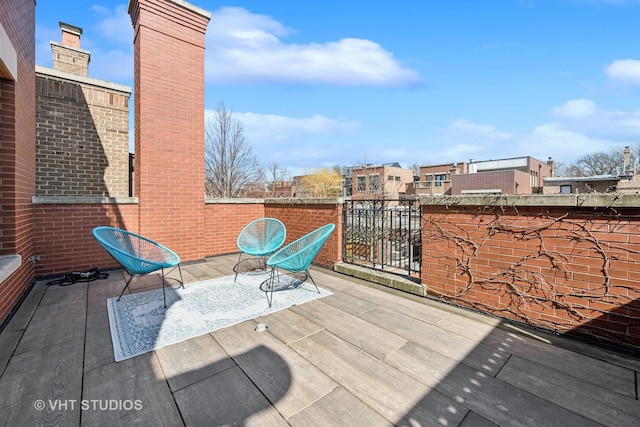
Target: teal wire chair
x,y
297,256
137,255
260,238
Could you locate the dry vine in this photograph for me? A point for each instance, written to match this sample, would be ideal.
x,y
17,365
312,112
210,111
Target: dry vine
x,y
524,287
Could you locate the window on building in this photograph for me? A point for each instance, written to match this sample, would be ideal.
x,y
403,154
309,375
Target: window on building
x,y
428,178
390,178
397,178
362,183
374,183
565,189
440,178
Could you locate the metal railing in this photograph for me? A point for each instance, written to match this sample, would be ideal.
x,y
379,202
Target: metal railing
x,y
383,234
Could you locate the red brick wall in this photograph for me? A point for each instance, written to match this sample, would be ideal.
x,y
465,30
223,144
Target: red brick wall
x,y
224,222
169,120
566,269
302,218
17,149
63,238
64,242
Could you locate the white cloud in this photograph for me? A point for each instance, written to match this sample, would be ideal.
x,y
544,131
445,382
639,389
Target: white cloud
x,y
584,117
579,127
575,109
274,127
556,141
296,143
114,25
246,47
462,127
625,70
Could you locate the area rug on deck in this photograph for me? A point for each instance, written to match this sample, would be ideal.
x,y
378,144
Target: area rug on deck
x,y
140,323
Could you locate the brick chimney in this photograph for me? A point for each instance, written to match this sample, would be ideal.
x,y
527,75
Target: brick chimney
x,y
628,167
67,55
552,165
169,122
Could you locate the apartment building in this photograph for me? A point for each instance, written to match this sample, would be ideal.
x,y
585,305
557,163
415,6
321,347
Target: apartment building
x,y
386,181
518,175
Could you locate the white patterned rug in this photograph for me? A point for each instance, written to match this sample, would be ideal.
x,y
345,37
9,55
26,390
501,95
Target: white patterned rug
x,y
140,323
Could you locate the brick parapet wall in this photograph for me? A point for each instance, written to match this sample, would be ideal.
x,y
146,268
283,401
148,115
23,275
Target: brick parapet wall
x,y
571,269
63,239
17,149
82,138
224,220
303,216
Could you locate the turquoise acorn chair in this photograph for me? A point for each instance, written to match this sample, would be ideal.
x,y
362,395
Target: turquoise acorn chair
x,y
297,257
137,255
260,238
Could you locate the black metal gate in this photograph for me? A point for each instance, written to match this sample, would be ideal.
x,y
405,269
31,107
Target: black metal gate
x,y
383,234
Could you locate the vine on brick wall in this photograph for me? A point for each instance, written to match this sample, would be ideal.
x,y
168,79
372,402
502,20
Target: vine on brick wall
x,y
536,287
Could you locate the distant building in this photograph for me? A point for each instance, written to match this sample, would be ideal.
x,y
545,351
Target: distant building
x,y
282,189
518,175
386,181
622,179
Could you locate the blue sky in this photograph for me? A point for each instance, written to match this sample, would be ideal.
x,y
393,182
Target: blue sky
x,y
319,83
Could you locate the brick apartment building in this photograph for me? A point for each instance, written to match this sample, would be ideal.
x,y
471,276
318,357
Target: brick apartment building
x,y
518,175
387,181
82,126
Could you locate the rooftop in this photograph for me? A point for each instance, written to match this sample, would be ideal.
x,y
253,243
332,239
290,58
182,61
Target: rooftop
x,y
364,356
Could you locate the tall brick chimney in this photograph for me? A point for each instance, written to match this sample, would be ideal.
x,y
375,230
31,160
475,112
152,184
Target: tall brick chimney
x,y
169,122
628,167
67,55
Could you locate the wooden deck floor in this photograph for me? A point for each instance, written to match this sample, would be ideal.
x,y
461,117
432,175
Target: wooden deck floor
x,y
364,356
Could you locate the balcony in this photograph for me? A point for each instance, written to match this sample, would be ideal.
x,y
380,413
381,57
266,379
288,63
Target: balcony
x,y
364,356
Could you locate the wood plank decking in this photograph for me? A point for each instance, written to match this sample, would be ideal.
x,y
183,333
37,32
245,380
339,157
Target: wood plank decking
x,y
364,356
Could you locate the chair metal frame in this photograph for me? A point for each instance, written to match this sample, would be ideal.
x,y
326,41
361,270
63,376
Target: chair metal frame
x,y
138,255
260,238
297,256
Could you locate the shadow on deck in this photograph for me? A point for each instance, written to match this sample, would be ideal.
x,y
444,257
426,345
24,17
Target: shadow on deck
x,y
365,355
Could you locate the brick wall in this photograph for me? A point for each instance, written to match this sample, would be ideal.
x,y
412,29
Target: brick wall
x,y
508,181
568,269
169,122
17,149
301,217
63,239
223,223
82,137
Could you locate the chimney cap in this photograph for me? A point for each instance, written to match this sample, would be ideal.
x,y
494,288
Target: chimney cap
x,y
70,28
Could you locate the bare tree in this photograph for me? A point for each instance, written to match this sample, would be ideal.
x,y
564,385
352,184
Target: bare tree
x,y
600,163
231,167
273,174
567,169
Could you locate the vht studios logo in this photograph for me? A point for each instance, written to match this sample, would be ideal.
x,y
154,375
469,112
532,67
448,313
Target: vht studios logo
x,y
88,405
